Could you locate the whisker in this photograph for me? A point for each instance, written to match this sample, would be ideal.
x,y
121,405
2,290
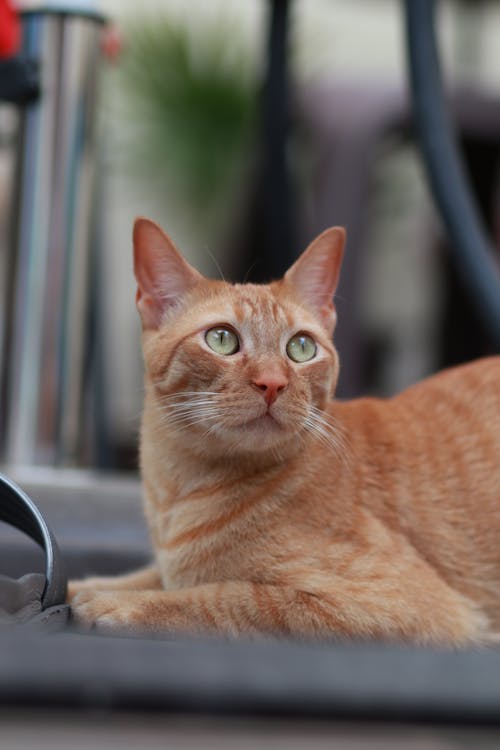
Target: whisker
x,y
185,423
180,408
216,263
252,266
180,411
201,411
330,435
184,395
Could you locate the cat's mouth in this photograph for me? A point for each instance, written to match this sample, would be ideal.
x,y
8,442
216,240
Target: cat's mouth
x,y
266,420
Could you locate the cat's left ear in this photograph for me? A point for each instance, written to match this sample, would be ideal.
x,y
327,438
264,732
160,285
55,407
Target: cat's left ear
x,y
315,275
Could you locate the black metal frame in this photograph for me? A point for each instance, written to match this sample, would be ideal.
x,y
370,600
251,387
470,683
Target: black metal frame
x,y
275,129
472,250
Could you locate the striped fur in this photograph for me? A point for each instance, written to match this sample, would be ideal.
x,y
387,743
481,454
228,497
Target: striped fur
x,y
309,517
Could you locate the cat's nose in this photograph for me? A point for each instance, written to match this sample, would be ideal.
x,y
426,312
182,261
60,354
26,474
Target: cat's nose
x,y
271,386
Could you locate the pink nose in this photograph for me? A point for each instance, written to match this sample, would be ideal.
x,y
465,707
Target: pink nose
x,y
270,386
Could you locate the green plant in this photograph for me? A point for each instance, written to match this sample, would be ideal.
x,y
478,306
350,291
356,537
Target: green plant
x,y
189,99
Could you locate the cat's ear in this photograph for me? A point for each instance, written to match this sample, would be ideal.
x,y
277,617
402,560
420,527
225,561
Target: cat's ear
x,y
315,275
163,276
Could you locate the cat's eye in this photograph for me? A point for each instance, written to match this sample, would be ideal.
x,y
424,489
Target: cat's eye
x,y
301,348
222,340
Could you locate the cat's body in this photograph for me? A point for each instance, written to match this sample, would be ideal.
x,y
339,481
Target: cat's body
x,y
275,510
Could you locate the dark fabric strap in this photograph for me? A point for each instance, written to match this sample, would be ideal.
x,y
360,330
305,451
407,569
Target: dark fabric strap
x,y
19,511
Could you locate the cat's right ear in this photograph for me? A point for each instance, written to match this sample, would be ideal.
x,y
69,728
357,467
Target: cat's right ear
x,y
163,276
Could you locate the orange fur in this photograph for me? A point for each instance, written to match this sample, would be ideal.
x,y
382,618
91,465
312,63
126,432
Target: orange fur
x,y
274,509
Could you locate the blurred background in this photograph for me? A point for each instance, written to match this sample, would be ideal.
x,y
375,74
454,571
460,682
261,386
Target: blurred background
x,y
243,164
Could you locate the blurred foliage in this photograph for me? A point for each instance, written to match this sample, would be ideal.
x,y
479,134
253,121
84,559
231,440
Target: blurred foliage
x,y
189,99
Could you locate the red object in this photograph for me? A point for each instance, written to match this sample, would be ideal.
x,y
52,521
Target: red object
x,y
10,29
111,43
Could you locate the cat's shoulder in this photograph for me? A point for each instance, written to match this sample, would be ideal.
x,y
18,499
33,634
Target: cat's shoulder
x,y
470,376
456,390
480,378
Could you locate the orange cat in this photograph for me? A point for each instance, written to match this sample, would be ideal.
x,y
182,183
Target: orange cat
x,y
275,510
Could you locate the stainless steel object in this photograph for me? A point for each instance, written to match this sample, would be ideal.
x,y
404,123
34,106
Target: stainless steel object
x,y
46,344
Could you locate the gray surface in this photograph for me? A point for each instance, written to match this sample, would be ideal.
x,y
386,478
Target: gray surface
x,y
21,604
288,679
59,731
20,600
97,521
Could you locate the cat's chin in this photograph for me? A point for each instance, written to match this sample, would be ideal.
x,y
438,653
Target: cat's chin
x,y
263,422
259,434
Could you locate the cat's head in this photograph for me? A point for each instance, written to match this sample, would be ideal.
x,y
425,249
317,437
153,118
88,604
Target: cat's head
x,y
237,368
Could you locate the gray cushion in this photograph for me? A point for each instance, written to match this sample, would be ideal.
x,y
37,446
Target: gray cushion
x,y
21,604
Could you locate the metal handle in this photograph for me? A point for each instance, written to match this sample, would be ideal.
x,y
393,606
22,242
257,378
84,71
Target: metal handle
x,y
19,511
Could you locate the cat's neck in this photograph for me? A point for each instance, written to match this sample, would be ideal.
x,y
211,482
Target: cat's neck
x,y
181,482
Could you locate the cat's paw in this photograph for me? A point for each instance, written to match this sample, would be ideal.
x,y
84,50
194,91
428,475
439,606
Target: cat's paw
x,y
93,584
74,588
104,610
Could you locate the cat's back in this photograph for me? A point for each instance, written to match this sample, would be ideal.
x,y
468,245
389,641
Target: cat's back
x,y
427,463
478,381
457,409
462,403
440,436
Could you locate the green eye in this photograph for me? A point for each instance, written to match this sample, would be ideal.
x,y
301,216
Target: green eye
x,y
222,340
301,348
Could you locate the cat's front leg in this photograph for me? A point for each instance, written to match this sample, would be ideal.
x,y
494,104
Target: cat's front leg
x,y
231,608
145,578
242,608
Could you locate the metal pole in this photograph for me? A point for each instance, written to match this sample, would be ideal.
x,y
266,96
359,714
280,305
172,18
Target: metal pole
x,y
46,341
